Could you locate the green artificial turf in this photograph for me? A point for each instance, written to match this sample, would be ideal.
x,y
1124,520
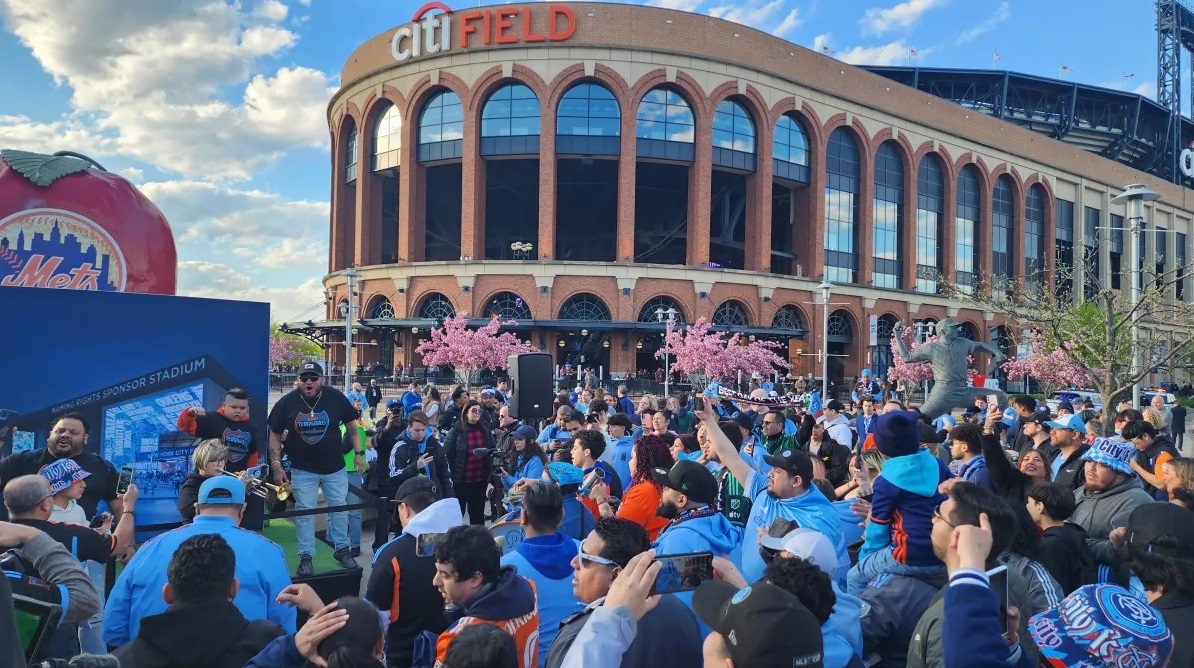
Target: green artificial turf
x,y
284,534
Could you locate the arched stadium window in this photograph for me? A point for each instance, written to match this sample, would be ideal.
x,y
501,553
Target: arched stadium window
x,y
841,207
436,307
382,309
387,139
588,109
930,209
730,314
664,115
508,306
789,150
351,154
888,217
966,231
1002,231
1034,239
787,317
733,127
648,313
967,331
840,329
512,111
441,127
584,306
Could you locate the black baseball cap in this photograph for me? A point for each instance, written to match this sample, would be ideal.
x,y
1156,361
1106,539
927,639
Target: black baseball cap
x,y
1036,418
1166,523
792,461
311,367
763,625
690,479
416,485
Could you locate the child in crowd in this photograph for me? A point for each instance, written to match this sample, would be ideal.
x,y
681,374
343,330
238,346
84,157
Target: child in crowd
x,y
1063,544
898,537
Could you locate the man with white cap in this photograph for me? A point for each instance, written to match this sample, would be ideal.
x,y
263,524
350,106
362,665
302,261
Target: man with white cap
x,y
1108,497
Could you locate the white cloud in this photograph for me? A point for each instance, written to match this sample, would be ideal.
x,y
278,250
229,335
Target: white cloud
x,y
305,3
1147,89
822,41
753,14
791,22
133,174
204,213
271,10
878,21
895,53
22,132
152,78
683,5
1002,13
220,281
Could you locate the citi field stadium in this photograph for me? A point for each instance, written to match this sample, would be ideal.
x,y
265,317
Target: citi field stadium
x,y
578,167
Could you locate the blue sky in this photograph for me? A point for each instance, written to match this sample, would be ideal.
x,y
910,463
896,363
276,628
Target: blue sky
x,y
216,109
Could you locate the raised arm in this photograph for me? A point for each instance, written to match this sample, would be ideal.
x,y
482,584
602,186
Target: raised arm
x,y
726,451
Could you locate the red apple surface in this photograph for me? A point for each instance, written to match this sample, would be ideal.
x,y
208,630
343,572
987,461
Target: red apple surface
x,y
67,223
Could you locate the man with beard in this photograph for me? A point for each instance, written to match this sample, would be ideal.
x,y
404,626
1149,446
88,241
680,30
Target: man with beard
x,y
68,438
311,417
400,584
1108,496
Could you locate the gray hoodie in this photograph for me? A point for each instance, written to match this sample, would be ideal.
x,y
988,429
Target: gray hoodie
x,y
1100,512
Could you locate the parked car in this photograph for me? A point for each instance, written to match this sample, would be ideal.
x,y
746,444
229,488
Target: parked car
x,y
1074,396
1146,398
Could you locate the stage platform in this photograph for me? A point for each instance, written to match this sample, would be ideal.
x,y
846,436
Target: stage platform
x,y
285,535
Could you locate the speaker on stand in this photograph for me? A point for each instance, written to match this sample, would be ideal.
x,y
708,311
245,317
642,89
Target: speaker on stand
x,y
531,391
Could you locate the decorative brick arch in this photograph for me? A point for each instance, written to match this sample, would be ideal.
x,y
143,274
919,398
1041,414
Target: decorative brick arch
x,y
424,90
684,85
575,74
800,313
493,79
1037,180
805,116
904,146
1018,189
943,159
985,182
686,304
500,290
582,290
750,98
416,304
372,113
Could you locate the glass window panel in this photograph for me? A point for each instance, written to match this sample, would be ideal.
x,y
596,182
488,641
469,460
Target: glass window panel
x,y
841,206
588,109
664,115
790,142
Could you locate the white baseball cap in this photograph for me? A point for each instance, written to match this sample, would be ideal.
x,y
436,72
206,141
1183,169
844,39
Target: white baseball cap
x,y
812,546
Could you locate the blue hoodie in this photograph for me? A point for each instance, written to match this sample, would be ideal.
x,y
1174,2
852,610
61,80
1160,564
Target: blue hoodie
x,y
811,510
617,455
410,402
713,533
547,561
903,506
842,632
578,519
976,472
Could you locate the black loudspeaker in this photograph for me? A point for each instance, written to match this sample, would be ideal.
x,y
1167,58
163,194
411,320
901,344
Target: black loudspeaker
x,y
531,391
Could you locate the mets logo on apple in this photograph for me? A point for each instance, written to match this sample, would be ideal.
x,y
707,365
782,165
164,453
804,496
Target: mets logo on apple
x,y
54,248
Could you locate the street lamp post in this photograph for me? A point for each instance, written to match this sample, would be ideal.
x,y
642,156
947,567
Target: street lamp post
x,y
668,316
352,275
1135,196
826,289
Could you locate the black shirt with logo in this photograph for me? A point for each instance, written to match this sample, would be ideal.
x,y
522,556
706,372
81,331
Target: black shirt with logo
x,y
101,484
238,437
313,441
85,543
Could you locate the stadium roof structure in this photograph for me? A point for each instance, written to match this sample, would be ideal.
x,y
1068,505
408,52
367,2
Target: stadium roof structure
x,y
1123,126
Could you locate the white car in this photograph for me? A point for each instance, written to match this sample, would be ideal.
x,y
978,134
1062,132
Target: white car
x,y
1146,398
1074,397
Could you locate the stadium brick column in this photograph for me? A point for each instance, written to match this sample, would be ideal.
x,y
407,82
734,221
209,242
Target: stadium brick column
x,y
814,256
627,169
758,204
1049,281
982,237
864,227
700,185
949,226
907,232
547,187
343,203
472,190
412,194
1019,227
367,248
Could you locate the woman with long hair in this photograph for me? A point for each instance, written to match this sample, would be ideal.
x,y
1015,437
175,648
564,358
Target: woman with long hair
x,y
685,446
470,469
1179,480
874,465
640,502
527,459
432,404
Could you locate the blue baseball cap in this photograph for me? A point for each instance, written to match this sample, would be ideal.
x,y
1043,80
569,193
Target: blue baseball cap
x,y
565,474
393,403
62,474
221,490
1102,625
526,432
1073,423
1112,454
1010,417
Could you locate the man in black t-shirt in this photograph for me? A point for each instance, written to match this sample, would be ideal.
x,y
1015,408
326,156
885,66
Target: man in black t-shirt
x,y
68,438
311,416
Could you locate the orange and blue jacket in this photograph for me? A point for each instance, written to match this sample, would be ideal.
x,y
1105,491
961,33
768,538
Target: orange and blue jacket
x,y
509,604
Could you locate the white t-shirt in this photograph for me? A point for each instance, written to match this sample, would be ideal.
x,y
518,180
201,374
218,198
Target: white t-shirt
x,y
73,513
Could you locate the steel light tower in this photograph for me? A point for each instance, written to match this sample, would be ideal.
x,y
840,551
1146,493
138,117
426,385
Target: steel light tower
x,y
826,290
1135,196
349,314
668,316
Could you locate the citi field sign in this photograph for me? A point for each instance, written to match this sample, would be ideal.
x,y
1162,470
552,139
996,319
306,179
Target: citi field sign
x,y
429,32
1186,161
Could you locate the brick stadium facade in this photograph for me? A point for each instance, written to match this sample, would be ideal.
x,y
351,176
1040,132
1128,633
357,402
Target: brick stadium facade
x,y
577,166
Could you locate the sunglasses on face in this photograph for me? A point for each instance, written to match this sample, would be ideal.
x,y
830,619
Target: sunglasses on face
x,y
594,559
307,377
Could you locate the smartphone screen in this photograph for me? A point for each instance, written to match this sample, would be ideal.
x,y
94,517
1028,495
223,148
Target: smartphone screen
x,y
683,572
992,400
125,479
865,490
425,544
998,578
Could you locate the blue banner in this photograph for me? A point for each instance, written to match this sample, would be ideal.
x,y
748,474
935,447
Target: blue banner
x,y
129,363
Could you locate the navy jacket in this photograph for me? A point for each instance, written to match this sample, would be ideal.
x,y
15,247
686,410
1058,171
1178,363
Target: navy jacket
x,y
973,633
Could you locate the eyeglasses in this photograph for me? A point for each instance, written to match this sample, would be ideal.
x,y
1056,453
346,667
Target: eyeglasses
x,y
308,377
938,515
592,558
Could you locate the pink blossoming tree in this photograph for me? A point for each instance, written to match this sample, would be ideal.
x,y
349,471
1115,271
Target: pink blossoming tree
x,y
288,349
470,350
707,356
1054,367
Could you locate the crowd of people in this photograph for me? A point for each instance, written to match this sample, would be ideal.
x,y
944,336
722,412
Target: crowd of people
x,y
834,536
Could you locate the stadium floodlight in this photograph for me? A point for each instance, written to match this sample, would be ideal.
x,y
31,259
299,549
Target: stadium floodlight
x,y
1135,196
